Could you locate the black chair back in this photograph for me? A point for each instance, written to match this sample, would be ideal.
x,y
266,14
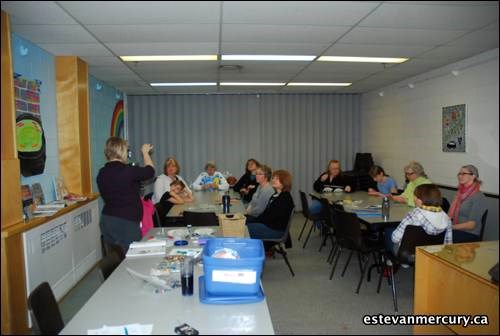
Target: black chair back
x,y
45,310
200,218
416,236
445,205
159,215
327,213
286,233
109,264
483,224
304,204
348,229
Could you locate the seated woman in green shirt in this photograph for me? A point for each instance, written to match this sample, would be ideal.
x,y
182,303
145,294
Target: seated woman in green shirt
x,y
416,176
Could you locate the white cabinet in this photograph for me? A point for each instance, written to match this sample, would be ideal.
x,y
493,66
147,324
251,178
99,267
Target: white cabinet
x,y
63,250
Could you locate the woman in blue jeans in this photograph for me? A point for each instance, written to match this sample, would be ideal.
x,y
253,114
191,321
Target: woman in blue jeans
x,y
272,223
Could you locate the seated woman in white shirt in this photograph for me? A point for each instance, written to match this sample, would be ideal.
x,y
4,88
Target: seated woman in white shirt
x,y
162,184
210,179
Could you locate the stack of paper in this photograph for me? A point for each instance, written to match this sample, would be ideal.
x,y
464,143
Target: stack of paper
x,y
149,248
129,329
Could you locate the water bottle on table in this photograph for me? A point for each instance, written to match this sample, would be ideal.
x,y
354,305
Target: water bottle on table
x,y
386,207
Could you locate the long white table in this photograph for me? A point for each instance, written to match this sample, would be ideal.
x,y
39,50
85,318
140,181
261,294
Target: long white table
x,y
208,201
122,299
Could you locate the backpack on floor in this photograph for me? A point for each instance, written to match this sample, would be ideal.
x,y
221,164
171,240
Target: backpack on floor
x,y
30,140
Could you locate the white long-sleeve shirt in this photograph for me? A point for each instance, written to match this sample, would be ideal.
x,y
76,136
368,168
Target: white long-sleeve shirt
x,y
204,178
162,184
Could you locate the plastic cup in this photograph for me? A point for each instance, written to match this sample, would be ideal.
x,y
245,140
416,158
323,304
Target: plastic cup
x,y
187,270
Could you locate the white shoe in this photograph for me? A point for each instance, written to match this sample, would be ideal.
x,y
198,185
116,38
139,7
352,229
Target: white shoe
x,y
405,266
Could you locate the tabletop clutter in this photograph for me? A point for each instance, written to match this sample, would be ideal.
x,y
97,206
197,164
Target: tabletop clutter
x,y
231,265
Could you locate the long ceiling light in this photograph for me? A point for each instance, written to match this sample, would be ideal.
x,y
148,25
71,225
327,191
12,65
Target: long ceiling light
x,y
169,58
266,58
185,84
250,84
317,84
362,59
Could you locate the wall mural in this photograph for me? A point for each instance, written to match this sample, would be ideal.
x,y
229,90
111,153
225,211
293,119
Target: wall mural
x,y
454,128
117,121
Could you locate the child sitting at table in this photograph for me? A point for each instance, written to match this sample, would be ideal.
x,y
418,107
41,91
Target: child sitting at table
x,y
176,195
385,184
427,214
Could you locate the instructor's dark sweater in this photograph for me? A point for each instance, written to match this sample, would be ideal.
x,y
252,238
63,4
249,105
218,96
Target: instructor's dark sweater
x,y
338,181
246,180
278,211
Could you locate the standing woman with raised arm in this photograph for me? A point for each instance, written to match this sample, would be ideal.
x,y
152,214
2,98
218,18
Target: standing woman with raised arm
x,y
119,186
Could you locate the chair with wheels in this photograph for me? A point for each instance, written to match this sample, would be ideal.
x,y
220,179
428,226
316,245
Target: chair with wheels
x,y
413,236
45,310
277,244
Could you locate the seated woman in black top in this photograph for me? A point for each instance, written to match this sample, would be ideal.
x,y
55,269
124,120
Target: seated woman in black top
x,y
271,224
119,185
247,184
333,179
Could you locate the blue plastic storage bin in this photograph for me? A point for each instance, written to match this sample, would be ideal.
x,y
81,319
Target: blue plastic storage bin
x,y
233,276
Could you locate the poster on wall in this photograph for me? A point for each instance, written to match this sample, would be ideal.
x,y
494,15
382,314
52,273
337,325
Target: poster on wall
x,y
454,128
27,95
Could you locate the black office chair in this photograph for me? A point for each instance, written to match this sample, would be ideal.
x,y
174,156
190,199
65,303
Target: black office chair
x,y
413,236
308,216
328,224
350,236
277,244
46,314
483,224
108,264
445,205
200,218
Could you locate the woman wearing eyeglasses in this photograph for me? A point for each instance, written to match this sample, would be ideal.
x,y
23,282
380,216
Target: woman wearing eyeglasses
x,y
468,206
416,176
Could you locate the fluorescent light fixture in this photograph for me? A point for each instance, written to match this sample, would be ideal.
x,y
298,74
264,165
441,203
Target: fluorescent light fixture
x,y
169,58
266,58
185,84
362,59
318,84
250,84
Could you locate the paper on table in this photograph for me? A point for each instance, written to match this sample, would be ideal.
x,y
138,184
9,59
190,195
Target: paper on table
x,y
148,244
129,329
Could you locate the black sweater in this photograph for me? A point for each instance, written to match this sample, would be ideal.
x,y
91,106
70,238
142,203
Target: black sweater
x,y
245,181
338,181
278,211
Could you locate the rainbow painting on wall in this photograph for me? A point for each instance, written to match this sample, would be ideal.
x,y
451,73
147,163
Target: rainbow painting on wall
x,y
117,121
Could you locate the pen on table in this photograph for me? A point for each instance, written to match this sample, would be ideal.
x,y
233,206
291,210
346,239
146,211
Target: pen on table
x,y
126,330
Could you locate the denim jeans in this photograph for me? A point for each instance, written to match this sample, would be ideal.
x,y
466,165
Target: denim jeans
x,y
389,245
262,231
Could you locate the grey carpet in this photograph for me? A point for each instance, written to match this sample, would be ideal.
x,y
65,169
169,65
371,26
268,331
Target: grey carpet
x,y
308,303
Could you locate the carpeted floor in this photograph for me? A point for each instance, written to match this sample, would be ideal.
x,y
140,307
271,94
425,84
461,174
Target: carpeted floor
x,y
308,303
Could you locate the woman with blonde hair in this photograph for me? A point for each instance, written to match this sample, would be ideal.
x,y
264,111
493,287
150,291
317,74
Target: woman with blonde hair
x,y
119,186
210,179
416,176
171,169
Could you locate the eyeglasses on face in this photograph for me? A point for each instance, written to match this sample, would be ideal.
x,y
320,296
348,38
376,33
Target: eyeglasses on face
x,y
462,173
409,173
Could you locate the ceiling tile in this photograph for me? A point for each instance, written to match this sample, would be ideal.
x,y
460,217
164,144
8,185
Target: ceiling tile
x,y
332,13
452,54
281,33
391,36
268,66
250,48
156,33
139,49
310,89
53,33
82,49
163,77
186,89
434,17
101,60
248,89
307,76
375,50
36,12
175,67
483,38
346,67
255,77
143,12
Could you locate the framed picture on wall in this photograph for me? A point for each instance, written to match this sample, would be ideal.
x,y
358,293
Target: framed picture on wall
x,y
454,123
